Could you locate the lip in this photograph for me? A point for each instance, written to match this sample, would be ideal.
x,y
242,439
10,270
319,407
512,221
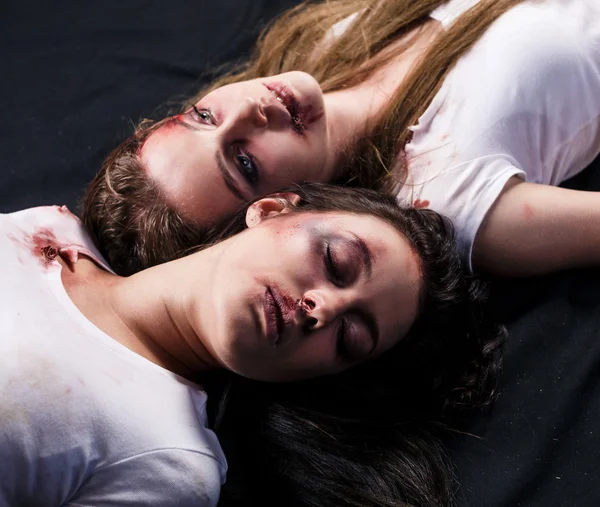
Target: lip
x,y
289,100
280,310
272,318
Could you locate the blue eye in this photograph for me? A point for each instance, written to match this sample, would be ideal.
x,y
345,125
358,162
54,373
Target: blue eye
x,y
204,114
247,167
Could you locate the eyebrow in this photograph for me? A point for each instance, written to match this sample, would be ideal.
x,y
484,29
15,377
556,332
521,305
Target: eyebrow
x,y
365,254
230,183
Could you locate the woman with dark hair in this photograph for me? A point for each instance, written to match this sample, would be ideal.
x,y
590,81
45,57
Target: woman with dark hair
x,y
334,332
473,108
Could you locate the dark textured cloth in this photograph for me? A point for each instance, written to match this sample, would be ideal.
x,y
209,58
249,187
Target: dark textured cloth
x,y
75,76
540,444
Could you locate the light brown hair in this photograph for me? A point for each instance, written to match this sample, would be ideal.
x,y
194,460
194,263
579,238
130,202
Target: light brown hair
x,y
155,232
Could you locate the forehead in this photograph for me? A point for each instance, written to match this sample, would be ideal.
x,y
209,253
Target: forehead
x,y
381,236
183,165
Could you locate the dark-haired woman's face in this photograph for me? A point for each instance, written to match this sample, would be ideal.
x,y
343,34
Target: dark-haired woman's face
x,y
241,141
303,295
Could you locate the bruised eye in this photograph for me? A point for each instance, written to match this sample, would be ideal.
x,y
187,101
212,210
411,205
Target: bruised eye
x,y
349,344
342,348
204,115
333,269
341,266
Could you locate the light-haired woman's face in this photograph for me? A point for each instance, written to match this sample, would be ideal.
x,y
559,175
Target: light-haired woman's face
x,y
240,141
303,295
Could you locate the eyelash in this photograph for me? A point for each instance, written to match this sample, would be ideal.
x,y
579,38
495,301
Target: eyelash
x,y
341,348
200,112
331,266
251,178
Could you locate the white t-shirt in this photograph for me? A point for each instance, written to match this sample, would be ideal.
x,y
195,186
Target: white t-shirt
x,y
84,420
524,101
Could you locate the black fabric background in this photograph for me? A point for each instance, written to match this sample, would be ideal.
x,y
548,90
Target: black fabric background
x,y
75,76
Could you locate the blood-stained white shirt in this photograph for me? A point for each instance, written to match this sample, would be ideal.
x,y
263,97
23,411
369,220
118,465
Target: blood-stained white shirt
x,y
86,421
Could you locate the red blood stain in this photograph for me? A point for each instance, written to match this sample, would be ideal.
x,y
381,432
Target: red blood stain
x,y
171,122
528,212
49,253
316,117
43,245
444,137
68,390
421,204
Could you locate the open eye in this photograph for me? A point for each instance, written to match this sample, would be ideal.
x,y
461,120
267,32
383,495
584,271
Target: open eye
x,y
204,115
246,166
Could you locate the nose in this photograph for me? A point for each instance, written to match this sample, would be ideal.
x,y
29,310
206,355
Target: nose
x,y
247,117
319,308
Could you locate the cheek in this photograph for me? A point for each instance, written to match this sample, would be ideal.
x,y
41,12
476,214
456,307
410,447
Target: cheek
x,y
287,235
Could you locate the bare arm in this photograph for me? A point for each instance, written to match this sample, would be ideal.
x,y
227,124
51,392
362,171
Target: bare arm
x,y
535,229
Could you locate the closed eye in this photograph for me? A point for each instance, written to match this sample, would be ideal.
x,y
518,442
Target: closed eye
x,y
332,266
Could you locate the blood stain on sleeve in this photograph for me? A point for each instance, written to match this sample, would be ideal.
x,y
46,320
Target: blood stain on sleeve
x,y
421,203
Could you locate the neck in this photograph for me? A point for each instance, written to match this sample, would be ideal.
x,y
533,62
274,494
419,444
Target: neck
x,y
350,111
149,312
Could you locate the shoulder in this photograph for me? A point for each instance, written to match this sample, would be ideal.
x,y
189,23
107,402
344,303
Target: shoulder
x,y
55,221
540,37
55,225
166,477
533,64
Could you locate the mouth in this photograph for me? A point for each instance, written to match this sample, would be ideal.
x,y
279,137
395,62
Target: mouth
x,y
279,313
286,96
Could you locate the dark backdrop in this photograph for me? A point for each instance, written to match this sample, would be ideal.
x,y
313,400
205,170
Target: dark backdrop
x,y
75,76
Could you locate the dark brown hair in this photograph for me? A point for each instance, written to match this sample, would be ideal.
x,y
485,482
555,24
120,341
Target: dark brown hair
x,y
133,224
368,436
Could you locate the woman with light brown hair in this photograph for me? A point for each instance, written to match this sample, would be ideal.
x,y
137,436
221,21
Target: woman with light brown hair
x,y
474,108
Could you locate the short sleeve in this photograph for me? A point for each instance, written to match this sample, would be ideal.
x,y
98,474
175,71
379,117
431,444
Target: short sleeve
x,y
167,477
464,193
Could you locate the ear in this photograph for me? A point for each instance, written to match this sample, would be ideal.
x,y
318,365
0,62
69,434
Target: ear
x,y
271,206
